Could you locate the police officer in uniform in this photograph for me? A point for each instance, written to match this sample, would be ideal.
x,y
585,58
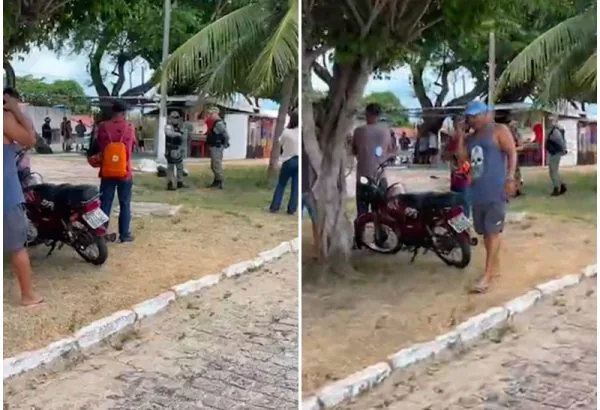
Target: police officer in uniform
x,y
174,151
217,140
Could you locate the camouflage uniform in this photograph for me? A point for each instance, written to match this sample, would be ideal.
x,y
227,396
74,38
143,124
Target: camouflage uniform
x,y
174,152
218,141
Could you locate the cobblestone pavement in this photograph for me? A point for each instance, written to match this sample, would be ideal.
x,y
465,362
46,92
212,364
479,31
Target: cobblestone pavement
x,y
231,347
546,360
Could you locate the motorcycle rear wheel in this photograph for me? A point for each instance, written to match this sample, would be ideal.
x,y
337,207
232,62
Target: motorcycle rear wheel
x,y
459,242
100,257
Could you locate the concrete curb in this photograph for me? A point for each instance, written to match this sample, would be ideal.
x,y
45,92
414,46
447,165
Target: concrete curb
x,y
465,333
118,322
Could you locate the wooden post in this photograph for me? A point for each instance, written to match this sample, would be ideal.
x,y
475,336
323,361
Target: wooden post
x,y
492,69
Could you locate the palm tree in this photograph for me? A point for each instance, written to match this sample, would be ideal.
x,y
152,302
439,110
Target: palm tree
x,y
562,60
253,50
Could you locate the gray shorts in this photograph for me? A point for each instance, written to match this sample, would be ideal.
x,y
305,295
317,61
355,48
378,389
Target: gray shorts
x,y
489,219
15,229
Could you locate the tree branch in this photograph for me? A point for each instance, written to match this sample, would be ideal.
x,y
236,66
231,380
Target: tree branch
x,y
139,89
416,70
322,73
95,72
121,60
352,6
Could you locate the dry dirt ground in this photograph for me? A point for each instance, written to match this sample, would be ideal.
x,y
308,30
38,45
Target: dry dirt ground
x,y
545,360
234,346
167,251
349,324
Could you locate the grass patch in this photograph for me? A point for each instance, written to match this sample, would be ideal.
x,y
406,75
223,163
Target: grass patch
x,y
246,188
578,203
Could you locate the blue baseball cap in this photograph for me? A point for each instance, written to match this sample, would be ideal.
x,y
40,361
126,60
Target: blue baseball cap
x,y
476,108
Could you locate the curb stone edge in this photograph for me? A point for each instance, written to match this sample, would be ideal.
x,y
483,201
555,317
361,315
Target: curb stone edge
x,y
466,332
97,331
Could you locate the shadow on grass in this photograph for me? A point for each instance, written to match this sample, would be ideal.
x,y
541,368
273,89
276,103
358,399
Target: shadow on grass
x,y
578,203
246,188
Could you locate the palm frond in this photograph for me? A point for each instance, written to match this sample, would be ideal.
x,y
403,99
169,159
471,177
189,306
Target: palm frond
x,y
205,48
547,48
586,75
559,81
280,53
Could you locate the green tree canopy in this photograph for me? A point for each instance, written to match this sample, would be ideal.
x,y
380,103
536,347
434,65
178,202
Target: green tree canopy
x,y
392,108
562,60
39,92
461,42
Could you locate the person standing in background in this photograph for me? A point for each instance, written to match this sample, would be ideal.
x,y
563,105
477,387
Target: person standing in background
x,y
47,131
217,140
117,129
433,149
18,131
174,141
288,141
556,146
80,130
371,146
514,129
65,132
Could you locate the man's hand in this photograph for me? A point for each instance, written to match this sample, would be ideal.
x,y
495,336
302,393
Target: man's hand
x,y
510,187
11,104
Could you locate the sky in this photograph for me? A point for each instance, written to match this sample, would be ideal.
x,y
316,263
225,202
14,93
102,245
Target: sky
x,y
51,66
41,62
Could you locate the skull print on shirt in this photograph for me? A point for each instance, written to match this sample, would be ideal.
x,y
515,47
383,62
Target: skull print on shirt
x,y
477,161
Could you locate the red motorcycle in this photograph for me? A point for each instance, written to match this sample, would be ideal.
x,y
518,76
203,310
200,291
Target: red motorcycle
x,y
63,214
429,221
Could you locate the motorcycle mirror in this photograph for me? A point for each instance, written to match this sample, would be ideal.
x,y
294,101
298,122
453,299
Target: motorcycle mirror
x,y
364,180
378,151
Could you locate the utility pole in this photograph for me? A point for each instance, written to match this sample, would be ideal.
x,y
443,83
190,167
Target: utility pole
x,y
143,66
162,112
492,69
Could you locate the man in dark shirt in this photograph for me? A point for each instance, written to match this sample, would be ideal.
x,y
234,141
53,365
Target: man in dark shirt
x,y
47,131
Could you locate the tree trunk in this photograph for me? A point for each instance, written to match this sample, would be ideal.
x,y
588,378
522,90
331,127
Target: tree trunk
x,y
287,94
11,78
327,154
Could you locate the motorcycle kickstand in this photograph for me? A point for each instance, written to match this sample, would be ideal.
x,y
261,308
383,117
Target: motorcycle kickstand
x,y
414,255
52,247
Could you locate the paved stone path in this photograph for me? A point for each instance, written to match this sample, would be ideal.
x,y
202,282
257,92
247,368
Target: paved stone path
x,y
545,361
232,347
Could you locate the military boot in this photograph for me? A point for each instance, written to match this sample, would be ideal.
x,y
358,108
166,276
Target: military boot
x,y
170,187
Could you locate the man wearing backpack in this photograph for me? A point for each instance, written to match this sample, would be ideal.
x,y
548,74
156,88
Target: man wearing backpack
x,y
115,141
557,148
217,140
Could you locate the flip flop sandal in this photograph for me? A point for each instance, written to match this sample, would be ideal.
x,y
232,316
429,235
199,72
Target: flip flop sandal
x,y
36,304
480,287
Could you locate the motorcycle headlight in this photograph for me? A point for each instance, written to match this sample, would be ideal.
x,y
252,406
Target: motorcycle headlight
x,y
364,180
33,179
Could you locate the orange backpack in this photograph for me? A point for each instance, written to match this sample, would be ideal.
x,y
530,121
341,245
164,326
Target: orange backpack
x,y
114,160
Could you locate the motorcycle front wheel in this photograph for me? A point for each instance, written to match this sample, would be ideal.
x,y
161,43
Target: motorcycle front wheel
x,y
94,252
378,237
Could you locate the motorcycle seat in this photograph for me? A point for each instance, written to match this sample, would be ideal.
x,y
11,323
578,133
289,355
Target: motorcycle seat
x,y
66,193
431,199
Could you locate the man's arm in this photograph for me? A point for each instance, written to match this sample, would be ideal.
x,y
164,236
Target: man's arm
x,y
19,128
221,129
506,143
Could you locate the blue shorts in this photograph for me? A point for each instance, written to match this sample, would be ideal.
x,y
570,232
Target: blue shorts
x,y
15,228
488,219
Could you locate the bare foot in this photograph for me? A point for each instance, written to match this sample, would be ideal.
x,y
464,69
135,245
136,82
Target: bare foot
x,y
481,286
32,300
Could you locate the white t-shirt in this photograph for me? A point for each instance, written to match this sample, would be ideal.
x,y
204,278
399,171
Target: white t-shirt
x,y
433,140
289,143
